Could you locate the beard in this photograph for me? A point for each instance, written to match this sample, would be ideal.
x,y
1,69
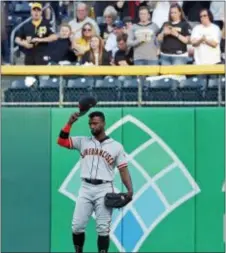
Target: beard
x,y
96,132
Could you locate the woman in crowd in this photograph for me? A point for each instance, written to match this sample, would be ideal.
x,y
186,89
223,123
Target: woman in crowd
x,y
82,45
174,36
205,39
110,15
97,55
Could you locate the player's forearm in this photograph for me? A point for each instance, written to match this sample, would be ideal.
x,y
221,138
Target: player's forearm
x,y
63,138
126,179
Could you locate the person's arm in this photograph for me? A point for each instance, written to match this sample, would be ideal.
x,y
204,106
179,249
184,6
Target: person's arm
x,y
216,41
64,139
50,38
126,180
195,37
183,37
196,42
211,43
122,165
23,43
21,39
164,31
131,41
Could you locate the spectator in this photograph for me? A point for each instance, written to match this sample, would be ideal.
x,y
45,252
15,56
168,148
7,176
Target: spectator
x,y
82,45
124,54
97,55
81,19
174,37
129,8
35,36
5,51
205,39
192,9
111,43
110,16
160,13
128,24
99,7
61,49
142,37
217,9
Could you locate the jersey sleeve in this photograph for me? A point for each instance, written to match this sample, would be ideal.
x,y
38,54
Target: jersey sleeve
x,y
76,142
121,160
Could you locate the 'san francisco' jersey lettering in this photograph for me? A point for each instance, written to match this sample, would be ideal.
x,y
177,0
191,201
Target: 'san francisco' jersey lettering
x,y
98,152
99,159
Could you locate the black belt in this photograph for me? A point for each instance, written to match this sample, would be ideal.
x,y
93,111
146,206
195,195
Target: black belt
x,y
95,181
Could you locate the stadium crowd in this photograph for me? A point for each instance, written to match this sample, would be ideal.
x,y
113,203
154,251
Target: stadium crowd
x,y
119,33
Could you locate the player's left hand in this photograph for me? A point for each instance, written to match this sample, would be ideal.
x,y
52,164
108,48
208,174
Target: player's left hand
x,y
130,195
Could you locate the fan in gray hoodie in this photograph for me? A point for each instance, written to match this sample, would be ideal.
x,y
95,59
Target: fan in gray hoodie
x,y
142,37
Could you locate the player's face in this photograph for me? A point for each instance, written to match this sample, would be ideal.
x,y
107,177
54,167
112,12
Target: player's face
x,y
96,125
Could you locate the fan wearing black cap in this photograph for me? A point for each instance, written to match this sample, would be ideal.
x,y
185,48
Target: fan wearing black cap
x,y
34,36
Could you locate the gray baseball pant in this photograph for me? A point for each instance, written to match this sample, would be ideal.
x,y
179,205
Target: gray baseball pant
x,y
91,199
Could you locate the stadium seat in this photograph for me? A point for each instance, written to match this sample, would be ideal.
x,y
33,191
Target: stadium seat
x,y
194,82
49,82
192,89
107,89
49,89
18,84
160,89
163,83
81,82
22,9
23,94
78,87
215,82
129,90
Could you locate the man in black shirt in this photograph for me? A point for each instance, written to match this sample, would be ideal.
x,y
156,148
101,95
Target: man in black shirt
x,y
34,37
124,56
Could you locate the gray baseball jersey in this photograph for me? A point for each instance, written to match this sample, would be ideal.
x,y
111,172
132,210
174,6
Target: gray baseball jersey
x,y
99,159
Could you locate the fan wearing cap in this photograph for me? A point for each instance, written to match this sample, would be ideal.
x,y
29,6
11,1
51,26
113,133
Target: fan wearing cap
x,y
111,43
34,36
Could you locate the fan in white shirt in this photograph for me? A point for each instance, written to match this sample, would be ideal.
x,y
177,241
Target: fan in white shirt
x,y
205,39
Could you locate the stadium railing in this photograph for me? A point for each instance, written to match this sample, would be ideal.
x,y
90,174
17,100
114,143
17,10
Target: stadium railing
x,y
187,85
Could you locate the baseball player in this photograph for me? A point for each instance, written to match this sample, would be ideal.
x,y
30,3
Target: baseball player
x,y
100,154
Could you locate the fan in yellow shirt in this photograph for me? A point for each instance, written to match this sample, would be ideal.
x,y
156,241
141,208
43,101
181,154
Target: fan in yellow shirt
x,y
82,45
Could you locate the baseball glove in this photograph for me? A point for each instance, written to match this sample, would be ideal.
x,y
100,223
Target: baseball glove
x,y
116,200
85,103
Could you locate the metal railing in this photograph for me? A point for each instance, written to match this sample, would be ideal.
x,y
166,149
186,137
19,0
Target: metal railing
x,y
143,95
14,49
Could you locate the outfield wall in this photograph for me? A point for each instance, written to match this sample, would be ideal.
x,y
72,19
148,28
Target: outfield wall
x,y
177,167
